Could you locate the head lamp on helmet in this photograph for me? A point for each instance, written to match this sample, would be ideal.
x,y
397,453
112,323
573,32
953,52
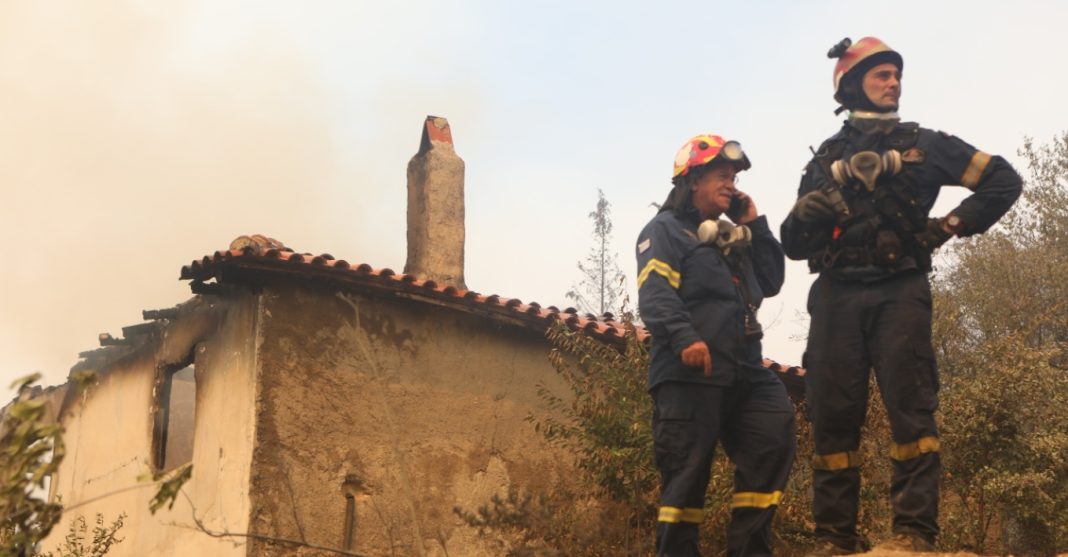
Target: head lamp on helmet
x,y
703,149
854,60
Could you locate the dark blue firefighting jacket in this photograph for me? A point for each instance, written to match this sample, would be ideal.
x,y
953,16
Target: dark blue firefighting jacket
x,y
688,291
931,159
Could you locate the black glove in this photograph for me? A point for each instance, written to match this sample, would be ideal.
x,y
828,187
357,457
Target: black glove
x,y
813,207
933,236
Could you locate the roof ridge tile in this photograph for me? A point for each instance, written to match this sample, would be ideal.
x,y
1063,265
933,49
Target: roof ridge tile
x,y
604,326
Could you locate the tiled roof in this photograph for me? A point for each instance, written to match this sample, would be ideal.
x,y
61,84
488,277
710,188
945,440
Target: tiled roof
x,y
233,265
285,262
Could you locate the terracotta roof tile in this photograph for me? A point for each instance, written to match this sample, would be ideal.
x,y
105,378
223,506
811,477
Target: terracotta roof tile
x,y
386,281
287,262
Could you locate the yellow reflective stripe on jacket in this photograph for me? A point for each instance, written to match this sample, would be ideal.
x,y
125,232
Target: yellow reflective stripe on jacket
x,y
909,451
675,514
659,267
756,499
970,178
836,461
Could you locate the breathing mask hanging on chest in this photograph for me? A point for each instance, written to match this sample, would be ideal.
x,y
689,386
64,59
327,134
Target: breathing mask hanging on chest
x,y
724,234
866,167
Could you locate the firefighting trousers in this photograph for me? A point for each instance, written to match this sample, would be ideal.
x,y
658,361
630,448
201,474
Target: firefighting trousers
x,y
857,327
755,423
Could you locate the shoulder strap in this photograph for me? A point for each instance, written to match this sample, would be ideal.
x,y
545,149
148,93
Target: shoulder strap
x,y
904,136
830,151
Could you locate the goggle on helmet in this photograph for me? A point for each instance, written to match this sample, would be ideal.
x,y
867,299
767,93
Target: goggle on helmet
x,y
703,149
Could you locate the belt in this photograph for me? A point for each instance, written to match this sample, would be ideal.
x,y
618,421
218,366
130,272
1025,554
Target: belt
x,y
848,256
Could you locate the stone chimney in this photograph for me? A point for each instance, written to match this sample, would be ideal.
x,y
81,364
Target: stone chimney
x,y
436,208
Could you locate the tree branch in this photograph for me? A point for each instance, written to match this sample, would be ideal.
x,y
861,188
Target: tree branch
x,y
248,535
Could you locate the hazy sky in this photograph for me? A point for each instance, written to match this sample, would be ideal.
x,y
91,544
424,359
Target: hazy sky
x,y
136,136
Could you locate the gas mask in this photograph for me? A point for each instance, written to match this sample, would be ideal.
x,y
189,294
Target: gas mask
x,y
727,235
866,167
724,234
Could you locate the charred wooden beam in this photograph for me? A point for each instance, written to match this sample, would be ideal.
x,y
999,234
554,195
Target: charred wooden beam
x,y
107,340
154,314
210,288
151,327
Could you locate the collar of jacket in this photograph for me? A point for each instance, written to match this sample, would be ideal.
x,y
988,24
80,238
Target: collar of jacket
x,y
869,122
689,216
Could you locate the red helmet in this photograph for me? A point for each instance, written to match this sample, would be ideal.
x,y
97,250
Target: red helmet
x,y
861,55
703,149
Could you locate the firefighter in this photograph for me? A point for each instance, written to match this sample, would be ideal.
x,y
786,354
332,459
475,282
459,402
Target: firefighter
x,y
701,279
862,222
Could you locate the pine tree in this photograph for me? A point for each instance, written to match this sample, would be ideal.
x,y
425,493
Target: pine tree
x,y
602,279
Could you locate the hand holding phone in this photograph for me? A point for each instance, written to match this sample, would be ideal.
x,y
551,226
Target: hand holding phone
x,y
741,209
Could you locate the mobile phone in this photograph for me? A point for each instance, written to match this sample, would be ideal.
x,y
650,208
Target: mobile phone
x,y
737,207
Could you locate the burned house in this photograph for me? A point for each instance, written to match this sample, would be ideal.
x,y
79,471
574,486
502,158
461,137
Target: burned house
x,y
320,400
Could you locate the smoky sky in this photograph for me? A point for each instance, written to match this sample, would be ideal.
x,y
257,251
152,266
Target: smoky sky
x,y
127,148
137,136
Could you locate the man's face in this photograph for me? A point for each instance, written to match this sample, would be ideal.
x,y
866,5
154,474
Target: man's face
x,y
882,85
713,191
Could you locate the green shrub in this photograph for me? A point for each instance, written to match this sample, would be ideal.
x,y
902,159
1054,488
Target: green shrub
x,y
30,451
78,544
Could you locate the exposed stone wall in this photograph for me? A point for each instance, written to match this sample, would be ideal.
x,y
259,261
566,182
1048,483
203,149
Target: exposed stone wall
x,y
412,410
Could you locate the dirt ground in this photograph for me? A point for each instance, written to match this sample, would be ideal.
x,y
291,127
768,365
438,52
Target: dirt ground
x,y
885,553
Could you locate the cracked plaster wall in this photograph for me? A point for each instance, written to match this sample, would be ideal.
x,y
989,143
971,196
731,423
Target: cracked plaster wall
x,y
410,408
109,437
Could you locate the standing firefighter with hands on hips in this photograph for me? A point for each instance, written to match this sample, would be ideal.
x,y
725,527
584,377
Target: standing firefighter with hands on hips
x,y
701,279
861,221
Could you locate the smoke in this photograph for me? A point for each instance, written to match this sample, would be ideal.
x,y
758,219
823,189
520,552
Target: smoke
x,y
133,139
